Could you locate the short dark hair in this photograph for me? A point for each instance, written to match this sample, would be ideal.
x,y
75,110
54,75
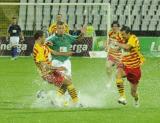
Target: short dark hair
x,y
38,34
60,23
126,29
115,22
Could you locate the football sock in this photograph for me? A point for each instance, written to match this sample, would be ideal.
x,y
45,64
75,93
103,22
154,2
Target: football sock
x,y
15,52
12,52
120,87
136,97
72,92
62,90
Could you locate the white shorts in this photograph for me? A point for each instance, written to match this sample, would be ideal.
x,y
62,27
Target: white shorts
x,y
66,64
14,41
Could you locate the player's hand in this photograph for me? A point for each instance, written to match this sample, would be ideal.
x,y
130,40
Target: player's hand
x,y
83,29
62,69
7,39
49,43
22,40
69,53
59,68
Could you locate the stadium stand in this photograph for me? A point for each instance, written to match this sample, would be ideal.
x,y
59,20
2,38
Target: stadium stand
x,y
140,15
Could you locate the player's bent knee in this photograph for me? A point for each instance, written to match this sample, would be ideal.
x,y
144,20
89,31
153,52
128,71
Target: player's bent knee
x,y
67,81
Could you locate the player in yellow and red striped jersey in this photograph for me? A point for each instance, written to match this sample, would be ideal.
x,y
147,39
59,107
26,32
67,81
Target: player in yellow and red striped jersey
x,y
114,53
41,53
132,60
53,27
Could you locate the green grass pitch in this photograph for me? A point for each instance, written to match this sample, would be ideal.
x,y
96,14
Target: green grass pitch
x,y
19,82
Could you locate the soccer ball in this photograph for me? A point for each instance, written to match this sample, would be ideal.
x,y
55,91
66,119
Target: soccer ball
x,y
41,94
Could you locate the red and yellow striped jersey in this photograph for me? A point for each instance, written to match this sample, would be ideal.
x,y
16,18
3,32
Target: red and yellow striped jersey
x,y
41,53
132,58
53,28
116,35
113,50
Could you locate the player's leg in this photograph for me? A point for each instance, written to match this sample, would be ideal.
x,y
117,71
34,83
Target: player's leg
x,y
109,72
71,90
67,65
133,77
120,86
67,73
67,84
134,93
109,69
14,41
60,90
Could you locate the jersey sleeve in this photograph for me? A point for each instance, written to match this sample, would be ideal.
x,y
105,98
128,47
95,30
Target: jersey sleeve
x,y
9,29
37,54
66,28
52,28
133,41
51,39
72,39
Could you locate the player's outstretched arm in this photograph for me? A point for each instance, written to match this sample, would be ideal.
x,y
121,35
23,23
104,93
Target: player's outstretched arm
x,y
58,68
7,37
22,36
122,45
81,35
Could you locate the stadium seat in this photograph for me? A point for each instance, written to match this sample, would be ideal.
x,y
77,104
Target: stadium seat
x,y
22,15
55,10
105,1
64,1
136,10
80,1
130,2
125,11
56,1
46,17
98,1
38,17
71,10
72,1
79,10
30,16
122,2
90,1
63,10
120,10
95,10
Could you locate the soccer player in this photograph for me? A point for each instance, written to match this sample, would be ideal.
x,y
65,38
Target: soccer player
x,y
53,28
14,35
114,53
51,73
90,31
62,43
131,60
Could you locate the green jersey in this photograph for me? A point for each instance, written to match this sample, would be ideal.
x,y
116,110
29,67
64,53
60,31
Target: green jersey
x,y
62,43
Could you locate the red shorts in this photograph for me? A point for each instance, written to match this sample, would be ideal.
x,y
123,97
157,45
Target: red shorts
x,y
133,74
55,78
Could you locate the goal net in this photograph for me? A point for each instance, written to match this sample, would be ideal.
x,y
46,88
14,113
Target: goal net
x,y
33,16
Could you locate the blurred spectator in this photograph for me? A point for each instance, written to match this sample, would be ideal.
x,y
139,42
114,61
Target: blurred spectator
x,y
90,30
53,27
